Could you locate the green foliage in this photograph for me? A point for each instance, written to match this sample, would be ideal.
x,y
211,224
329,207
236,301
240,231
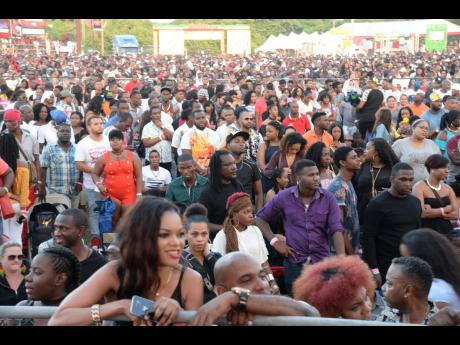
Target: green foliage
x,y
261,29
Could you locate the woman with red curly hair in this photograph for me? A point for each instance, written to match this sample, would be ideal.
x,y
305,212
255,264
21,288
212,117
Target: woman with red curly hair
x,y
340,286
240,234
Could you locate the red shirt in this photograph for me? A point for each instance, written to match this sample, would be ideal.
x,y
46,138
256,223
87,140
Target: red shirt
x,y
131,85
260,108
301,123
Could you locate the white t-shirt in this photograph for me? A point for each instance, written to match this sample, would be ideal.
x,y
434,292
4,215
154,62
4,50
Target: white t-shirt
x,y
202,143
48,133
250,241
442,291
177,137
31,128
222,131
89,151
155,179
163,147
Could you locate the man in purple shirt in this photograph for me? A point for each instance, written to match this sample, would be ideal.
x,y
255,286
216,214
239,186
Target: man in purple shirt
x,y
310,216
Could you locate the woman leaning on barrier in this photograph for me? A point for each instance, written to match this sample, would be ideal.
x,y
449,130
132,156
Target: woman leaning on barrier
x,y
151,238
54,273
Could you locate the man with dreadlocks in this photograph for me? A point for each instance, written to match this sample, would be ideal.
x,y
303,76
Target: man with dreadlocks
x,y
240,234
221,184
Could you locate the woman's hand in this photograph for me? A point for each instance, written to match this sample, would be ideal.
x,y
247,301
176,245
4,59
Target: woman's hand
x,y
137,321
102,188
166,310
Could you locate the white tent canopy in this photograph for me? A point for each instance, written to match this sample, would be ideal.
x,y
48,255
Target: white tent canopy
x,y
292,41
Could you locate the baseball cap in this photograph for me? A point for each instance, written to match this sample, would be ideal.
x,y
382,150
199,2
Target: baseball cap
x,y
437,80
12,114
420,92
456,86
58,116
230,137
165,88
65,93
435,97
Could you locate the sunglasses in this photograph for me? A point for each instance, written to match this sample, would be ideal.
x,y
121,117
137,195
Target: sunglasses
x,y
19,257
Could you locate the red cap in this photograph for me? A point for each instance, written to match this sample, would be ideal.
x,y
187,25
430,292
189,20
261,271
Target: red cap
x,y
12,114
235,196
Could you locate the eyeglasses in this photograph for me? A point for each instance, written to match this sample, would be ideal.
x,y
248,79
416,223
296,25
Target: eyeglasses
x,y
19,257
424,128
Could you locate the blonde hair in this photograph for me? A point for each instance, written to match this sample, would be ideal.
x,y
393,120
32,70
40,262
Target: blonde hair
x,y
5,246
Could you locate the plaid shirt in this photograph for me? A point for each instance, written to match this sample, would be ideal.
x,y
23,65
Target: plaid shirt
x,y
62,174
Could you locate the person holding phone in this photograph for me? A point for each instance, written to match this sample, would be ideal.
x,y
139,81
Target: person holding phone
x,y
151,239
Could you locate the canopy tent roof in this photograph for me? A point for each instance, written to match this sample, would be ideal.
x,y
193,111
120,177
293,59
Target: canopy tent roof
x,y
401,28
295,41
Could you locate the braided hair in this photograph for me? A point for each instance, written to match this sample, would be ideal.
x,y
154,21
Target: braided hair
x,y
235,203
9,150
65,261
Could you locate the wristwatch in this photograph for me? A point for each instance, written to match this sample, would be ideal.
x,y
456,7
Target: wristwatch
x,y
243,294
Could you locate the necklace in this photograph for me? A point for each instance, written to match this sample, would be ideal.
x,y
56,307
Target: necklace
x,y
374,191
166,110
241,167
437,189
167,281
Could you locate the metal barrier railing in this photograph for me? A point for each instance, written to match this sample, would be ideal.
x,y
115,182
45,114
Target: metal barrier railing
x,y
16,312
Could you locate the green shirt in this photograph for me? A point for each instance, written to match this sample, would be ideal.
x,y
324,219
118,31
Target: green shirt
x,y
183,196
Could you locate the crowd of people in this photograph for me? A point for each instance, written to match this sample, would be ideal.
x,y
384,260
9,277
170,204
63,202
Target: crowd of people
x,y
322,186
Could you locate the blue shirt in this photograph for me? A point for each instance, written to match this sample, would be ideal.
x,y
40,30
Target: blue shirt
x,y
62,174
434,119
112,121
307,229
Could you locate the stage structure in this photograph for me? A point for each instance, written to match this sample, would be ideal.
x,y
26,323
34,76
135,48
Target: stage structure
x,y
168,39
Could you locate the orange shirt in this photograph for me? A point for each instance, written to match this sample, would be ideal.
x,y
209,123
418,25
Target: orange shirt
x,y
312,138
418,110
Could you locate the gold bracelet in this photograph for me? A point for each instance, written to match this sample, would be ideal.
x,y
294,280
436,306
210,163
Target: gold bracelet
x,y
96,314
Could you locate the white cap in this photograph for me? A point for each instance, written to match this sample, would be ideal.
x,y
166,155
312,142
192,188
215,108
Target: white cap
x,y
421,92
456,86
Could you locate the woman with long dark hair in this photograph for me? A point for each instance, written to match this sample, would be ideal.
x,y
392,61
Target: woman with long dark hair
x,y
41,115
211,115
382,125
321,155
292,149
76,120
436,249
271,144
151,239
374,175
280,181
250,101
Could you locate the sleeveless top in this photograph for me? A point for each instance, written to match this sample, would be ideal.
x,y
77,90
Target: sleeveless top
x,y
176,295
119,173
440,225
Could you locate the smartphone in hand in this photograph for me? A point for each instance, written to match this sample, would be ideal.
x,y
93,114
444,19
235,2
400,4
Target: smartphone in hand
x,y
141,306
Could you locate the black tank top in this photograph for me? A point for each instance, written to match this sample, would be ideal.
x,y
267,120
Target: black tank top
x,y
177,294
